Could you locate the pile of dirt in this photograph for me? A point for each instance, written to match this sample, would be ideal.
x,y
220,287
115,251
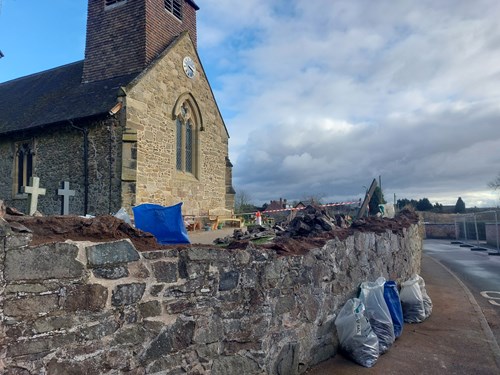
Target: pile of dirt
x,y
47,229
310,230
289,241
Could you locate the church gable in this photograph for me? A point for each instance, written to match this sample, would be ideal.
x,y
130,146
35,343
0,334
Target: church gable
x,y
171,110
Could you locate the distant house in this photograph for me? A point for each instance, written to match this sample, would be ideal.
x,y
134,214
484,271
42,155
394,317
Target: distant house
x,y
304,204
136,121
276,205
277,210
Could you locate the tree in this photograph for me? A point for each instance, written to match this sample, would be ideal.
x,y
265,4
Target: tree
x,y
460,206
312,198
376,199
495,184
402,203
424,205
242,202
438,207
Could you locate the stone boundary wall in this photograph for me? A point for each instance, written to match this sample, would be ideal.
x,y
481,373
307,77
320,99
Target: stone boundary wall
x,y
440,231
87,308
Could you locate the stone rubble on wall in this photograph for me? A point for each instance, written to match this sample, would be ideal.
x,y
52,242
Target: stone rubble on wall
x,y
80,307
309,222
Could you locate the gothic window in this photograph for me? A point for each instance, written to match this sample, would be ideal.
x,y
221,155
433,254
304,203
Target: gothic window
x,y
178,124
189,146
186,139
23,168
114,2
174,7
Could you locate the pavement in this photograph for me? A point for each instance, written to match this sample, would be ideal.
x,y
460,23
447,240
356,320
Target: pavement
x,y
455,339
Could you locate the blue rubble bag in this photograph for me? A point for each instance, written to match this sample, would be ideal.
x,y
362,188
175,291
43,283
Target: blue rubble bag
x,y
165,223
391,296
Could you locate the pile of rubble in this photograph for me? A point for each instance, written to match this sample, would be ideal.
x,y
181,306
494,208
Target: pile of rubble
x,y
312,221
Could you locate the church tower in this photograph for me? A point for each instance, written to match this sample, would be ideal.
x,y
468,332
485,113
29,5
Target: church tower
x,y
124,36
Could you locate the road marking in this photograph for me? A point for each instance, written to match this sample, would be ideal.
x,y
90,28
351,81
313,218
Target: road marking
x,y
491,299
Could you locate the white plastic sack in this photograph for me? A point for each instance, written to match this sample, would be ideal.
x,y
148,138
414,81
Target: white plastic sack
x,y
412,301
356,337
372,296
123,215
425,297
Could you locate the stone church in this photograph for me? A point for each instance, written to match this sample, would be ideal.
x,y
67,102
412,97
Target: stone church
x,y
136,121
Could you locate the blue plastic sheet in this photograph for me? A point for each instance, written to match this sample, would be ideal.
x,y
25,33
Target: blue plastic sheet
x,y
165,223
391,296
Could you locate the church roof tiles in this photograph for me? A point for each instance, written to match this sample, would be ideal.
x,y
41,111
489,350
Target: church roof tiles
x,y
55,96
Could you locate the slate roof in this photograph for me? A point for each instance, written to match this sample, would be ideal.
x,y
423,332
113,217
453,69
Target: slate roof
x,y
55,95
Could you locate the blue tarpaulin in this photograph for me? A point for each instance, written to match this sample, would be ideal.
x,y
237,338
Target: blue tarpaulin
x,y
165,223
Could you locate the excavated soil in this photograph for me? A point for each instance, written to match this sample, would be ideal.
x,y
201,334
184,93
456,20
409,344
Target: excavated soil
x,y
48,229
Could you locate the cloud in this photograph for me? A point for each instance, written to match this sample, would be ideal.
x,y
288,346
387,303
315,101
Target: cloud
x,y
320,97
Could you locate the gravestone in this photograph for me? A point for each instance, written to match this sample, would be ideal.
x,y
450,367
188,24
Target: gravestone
x,y
34,191
66,193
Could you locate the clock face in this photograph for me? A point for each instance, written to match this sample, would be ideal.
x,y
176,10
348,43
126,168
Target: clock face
x,y
189,67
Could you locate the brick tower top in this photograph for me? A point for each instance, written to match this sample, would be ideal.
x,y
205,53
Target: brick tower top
x,y
124,36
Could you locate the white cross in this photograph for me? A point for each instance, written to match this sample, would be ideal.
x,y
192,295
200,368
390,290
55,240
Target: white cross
x,y
66,193
34,191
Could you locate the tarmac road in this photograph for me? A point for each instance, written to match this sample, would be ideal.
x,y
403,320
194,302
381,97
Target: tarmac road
x,y
479,271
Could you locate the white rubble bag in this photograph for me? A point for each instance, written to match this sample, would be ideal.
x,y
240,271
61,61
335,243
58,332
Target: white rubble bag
x,y
356,337
425,297
416,303
372,296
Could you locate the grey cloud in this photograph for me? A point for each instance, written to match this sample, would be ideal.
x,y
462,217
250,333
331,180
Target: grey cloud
x,y
332,94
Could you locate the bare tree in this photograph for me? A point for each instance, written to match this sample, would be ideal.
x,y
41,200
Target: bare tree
x,y
495,184
242,202
313,198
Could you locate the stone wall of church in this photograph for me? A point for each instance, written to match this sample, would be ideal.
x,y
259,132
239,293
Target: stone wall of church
x,y
149,106
75,308
59,156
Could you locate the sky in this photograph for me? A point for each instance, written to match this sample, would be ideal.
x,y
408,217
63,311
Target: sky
x,y
322,96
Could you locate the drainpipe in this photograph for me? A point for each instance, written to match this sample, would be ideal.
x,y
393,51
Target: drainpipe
x,y
85,132
113,114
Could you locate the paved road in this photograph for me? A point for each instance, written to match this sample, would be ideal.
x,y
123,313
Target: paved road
x,y
479,271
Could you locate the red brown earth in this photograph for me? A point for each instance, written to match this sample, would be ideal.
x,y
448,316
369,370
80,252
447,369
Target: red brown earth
x,y
48,229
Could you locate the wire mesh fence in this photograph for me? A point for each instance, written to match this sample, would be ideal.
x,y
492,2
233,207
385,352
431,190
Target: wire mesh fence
x,y
481,228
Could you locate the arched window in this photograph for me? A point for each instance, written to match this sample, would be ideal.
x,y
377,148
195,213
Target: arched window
x,y
23,168
189,146
186,138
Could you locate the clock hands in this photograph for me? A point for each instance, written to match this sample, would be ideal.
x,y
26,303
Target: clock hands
x,y
189,67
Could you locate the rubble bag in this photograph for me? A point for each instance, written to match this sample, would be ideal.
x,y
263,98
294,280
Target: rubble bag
x,y
372,296
412,301
425,297
165,223
391,296
356,337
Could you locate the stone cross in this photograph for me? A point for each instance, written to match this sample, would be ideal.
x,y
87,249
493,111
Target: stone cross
x,y
66,193
34,191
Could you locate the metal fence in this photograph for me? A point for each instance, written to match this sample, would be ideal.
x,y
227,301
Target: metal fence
x,y
481,228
